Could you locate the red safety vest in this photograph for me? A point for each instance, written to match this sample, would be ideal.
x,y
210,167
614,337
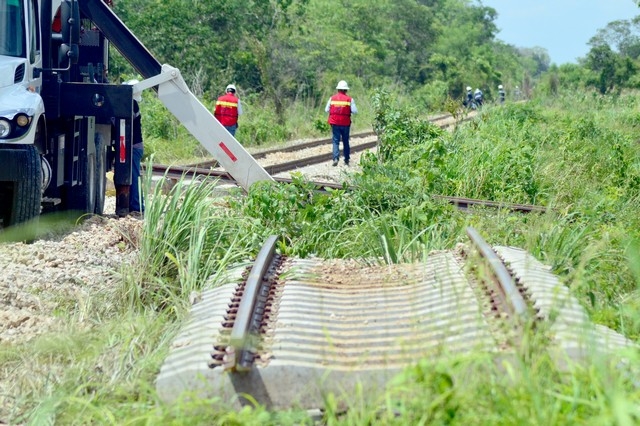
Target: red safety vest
x,y
340,110
227,110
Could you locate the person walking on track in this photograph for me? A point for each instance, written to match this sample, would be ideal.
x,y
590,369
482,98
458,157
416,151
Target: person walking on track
x,y
228,109
340,107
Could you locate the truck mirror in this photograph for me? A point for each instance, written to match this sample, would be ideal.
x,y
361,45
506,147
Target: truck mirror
x,y
70,21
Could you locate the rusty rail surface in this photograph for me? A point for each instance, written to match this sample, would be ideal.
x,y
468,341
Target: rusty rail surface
x,y
462,203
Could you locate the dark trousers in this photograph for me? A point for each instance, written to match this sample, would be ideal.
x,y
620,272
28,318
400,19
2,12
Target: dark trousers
x,y
136,201
341,132
232,129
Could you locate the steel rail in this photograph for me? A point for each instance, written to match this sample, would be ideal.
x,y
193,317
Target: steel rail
x,y
241,338
316,159
315,143
461,203
465,203
318,142
309,144
506,284
288,148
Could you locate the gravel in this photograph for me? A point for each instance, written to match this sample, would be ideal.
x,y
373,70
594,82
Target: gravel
x,y
61,272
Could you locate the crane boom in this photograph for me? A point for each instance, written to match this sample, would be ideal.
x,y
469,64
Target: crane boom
x,y
174,93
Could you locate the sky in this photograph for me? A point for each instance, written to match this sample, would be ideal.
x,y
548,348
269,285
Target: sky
x,y
563,27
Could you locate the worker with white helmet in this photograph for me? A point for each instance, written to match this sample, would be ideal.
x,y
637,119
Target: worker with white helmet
x,y
340,107
228,109
478,97
501,94
136,199
468,102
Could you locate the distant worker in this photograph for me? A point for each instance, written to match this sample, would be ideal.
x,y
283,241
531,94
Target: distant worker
x,y
501,94
136,199
228,108
478,97
516,93
340,107
468,102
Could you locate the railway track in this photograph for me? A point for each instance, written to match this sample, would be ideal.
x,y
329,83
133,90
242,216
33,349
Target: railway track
x,y
444,121
287,332
208,170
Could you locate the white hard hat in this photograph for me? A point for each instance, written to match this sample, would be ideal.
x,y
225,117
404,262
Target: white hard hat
x,y
231,87
468,88
500,86
477,91
342,85
136,96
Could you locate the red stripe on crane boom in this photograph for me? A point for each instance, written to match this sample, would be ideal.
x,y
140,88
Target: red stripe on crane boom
x,y
228,152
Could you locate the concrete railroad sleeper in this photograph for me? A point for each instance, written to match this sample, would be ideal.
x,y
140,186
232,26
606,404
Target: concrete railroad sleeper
x,y
289,331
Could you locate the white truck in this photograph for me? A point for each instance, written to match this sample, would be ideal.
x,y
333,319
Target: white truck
x,y
59,114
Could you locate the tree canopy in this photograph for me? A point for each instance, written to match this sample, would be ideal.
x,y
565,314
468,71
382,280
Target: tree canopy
x,y
285,49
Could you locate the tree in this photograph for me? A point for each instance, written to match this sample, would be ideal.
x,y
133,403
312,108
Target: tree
x,y
539,56
621,36
602,61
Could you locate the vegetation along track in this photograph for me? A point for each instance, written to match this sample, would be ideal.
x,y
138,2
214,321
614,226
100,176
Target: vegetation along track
x,y
360,142
284,332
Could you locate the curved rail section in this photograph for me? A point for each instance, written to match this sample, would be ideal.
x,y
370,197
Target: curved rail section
x,y
505,282
295,330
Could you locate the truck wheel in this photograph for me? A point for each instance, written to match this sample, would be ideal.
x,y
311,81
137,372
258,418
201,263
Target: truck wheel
x,y
27,192
101,175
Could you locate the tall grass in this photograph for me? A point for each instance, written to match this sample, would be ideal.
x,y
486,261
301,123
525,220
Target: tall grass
x,y
578,159
189,238
100,368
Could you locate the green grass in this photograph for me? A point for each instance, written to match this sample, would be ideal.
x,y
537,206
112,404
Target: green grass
x,y
581,160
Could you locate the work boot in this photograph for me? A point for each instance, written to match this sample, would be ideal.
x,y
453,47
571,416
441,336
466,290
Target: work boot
x,y
136,214
346,163
335,163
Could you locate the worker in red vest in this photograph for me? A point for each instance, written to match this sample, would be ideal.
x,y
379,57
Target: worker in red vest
x,y
228,108
340,107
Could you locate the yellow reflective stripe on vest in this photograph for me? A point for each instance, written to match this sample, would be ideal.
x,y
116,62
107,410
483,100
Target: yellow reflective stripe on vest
x,y
227,104
341,103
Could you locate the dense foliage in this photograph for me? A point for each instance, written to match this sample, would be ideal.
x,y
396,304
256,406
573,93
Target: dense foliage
x,y
281,53
572,148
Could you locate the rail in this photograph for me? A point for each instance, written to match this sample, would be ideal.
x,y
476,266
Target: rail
x,y
251,308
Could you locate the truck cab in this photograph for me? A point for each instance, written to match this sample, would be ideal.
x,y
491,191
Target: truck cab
x,y
21,111
59,115
52,148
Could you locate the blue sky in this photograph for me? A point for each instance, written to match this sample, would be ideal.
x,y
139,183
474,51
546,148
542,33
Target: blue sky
x,y
563,27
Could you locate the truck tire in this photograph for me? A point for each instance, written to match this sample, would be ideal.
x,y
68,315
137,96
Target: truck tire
x,y
101,175
27,192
